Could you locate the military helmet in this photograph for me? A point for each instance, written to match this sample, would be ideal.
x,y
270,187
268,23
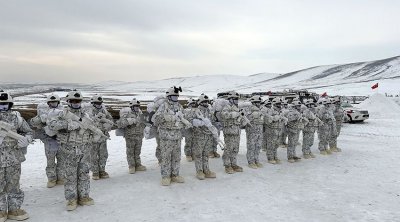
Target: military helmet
x,y
276,100
5,97
233,95
53,98
255,99
96,99
134,102
203,98
74,95
173,91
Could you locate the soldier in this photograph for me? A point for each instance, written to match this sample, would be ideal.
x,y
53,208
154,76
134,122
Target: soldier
x,y
294,126
309,128
15,136
254,132
52,149
283,135
132,121
104,121
75,133
324,130
339,115
203,137
265,109
273,124
169,120
189,113
232,120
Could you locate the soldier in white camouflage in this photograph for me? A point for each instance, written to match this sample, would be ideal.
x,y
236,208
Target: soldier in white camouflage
x,y
132,122
294,126
339,115
15,136
267,105
46,111
254,132
309,128
203,137
189,113
232,120
75,139
283,134
170,121
273,124
329,123
99,153
215,120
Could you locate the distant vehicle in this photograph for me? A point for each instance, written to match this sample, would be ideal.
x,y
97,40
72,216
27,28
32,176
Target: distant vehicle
x,y
353,114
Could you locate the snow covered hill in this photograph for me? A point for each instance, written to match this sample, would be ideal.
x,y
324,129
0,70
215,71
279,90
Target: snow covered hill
x,y
349,79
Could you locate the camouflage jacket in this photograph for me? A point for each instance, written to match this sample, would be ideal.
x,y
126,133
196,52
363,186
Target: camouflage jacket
x,y
131,130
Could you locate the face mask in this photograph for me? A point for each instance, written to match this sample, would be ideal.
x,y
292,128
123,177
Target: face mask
x,y
4,107
97,106
204,105
135,108
75,105
173,98
53,104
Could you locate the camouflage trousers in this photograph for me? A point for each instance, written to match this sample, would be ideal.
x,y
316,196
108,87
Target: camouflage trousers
x,y
272,143
188,148
170,157
333,137
214,146
308,139
98,156
133,150
265,137
293,139
323,134
11,196
254,141
158,151
77,160
201,148
283,134
232,142
54,168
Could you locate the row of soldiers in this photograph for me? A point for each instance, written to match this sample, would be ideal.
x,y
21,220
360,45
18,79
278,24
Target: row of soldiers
x,y
75,138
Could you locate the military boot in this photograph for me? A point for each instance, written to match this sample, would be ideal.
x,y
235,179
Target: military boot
x,y
189,158
297,159
211,154
95,176
104,175
272,161
200,175
328,151
60,182
335,149
229,170
86,201
306,156
140,167
259,165
210,174
3,216
18,214
165,181
216,154
291,160
252,165
132,170
278,161
237,168
312,155
51,183
177,179
323,152
71,205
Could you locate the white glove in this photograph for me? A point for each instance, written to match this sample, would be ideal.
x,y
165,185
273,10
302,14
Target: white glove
x,y
73,125
43,118
23,142
235,114
131,121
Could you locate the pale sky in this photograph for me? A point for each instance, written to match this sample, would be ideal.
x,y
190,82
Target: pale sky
x,y
100,40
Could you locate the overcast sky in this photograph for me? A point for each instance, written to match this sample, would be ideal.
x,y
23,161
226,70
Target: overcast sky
x,y
99,40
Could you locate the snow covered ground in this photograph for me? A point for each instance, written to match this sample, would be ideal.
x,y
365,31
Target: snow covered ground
x,y
360,184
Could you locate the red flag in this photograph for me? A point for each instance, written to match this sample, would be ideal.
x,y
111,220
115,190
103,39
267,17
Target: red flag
x,y
269,93
374,86
324,94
